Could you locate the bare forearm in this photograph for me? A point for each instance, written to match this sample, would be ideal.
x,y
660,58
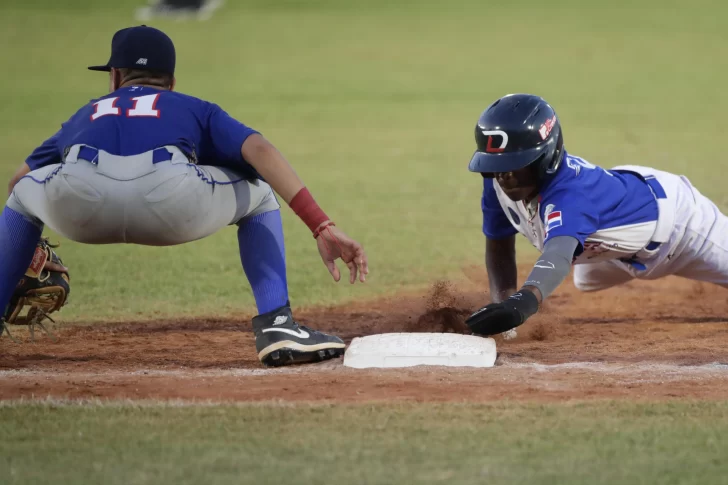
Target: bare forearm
x,y
500,262
279,174
272,166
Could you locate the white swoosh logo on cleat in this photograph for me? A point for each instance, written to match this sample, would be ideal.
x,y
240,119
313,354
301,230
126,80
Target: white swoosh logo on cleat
x,y
296,333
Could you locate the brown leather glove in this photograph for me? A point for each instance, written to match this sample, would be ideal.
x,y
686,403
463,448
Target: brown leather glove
x,y
43,289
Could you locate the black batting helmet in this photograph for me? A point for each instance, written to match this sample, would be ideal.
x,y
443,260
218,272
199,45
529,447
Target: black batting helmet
x,y
516,131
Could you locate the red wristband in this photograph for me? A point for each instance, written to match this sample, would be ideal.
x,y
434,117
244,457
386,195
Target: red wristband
x,y
307,209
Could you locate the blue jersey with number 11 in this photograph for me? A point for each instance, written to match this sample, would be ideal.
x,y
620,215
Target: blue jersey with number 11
x,y
137,119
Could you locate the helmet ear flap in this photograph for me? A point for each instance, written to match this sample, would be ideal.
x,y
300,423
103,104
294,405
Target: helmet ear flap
x,y
555,162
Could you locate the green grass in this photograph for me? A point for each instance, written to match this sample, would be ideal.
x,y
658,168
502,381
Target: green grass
x,y
374,103
596,443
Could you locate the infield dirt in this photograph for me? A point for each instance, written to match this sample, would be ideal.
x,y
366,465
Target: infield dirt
x,y
644,340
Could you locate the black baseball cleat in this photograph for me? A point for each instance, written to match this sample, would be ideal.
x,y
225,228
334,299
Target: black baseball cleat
x,y
281,341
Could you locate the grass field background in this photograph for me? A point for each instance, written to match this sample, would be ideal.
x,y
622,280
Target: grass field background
x,y
374,103
511,444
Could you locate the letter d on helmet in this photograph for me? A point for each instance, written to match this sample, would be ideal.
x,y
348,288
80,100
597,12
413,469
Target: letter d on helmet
x,y
503,144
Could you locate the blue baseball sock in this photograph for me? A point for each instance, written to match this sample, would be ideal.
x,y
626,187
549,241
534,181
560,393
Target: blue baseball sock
x,y
263,255
18,240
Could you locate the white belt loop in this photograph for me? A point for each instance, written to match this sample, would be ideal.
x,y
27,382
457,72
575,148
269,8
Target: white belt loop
x,y
72,155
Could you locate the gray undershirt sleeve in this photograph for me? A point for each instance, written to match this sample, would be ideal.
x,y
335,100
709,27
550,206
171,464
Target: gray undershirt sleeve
x,y
553,266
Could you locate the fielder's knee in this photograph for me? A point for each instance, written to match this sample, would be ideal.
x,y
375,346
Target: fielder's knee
x,y
269,203
587,284
15,205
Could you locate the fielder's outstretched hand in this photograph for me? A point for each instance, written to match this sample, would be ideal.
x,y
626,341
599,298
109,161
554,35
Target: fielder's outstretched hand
x,y
334,244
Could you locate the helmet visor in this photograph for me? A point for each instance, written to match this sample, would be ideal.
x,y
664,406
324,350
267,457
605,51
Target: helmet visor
x,y
490,163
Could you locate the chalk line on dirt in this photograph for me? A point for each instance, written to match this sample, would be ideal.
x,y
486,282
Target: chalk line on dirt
x,y
641,368
617,367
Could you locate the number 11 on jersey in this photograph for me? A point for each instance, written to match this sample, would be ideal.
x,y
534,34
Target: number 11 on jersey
x,y
144,107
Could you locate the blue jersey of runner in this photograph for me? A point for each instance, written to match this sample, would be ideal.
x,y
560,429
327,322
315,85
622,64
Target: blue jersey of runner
x,y
137,119
607,211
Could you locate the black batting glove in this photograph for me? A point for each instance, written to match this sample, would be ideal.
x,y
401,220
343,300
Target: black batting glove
x,y
500,317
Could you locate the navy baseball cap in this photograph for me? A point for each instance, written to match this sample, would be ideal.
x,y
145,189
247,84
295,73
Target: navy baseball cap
x,y
141,47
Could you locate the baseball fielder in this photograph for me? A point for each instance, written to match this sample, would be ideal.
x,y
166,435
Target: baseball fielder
x,y
613,225
147,165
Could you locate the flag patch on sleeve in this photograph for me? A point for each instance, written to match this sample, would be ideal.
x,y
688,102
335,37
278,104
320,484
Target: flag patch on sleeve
x,y
553,220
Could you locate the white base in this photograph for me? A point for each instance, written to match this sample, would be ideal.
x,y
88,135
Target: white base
x,y
411,349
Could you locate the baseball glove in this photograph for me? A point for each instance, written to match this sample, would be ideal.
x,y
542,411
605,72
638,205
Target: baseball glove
x,y
43,289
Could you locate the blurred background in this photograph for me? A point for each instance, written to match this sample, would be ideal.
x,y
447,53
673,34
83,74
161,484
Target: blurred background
x,y
178,9
374,103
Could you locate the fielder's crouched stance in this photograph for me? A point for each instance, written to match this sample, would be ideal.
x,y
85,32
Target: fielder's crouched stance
x,y
613,225
146,165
